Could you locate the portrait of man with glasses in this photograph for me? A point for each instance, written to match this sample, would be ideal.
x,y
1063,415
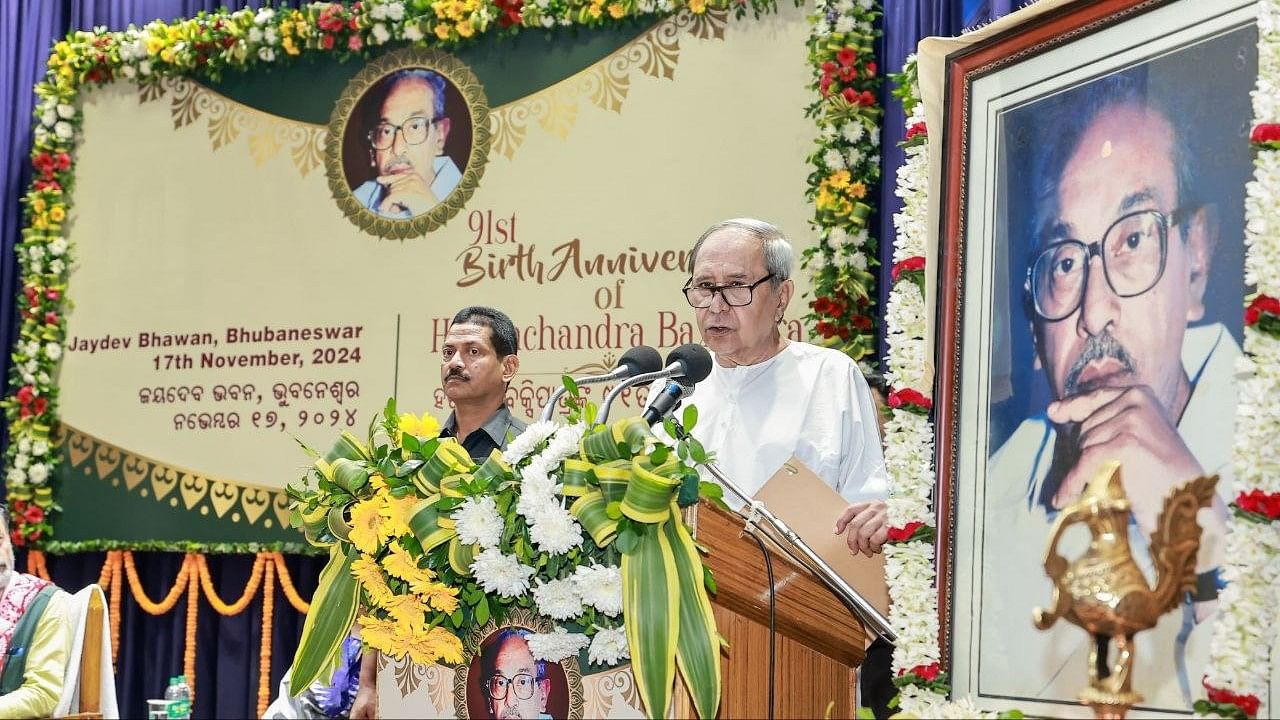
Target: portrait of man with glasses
x,y
513,683
1129,353
405,136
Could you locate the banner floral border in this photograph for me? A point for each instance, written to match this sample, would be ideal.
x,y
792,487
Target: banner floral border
x,y
210,44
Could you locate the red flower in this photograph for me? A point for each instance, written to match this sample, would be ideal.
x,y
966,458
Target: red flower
x,y
26,394
824,85
35,534
844,333
850,96
848,74
33,514
903,534
871,69
1256,501
1248,703
510,12
43,162
51,318
915,262
52,294
24,412
928,673
1261,304
326,42
353,24
1265,133
917,129
354,43
846,56
867,98
828,68
822,305
51,185
64,161
909,397
15,536
39,406
18,506
862,322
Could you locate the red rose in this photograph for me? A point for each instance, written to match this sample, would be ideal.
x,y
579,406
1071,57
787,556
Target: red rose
x,y
928,672
1251,316
33,514
18,506
15,536
354,43
850,96
353,24
64,161
862,322
51,318
1247,703
846,56
1265,133
903,534
867,98
916,129
907,396
871,69
25,395
914,262
825,329
829,68
326,42
824,85
844,333
39,406
848,74
1261,304
42,162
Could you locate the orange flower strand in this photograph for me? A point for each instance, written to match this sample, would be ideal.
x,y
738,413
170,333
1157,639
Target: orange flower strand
x,y
36,566
104,577
286,584
115,558
264,652
250,588
193,610
171,599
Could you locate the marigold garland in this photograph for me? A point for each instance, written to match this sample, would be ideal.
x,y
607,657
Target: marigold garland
x,y
193,618
250,589
264,651
286,584
148,605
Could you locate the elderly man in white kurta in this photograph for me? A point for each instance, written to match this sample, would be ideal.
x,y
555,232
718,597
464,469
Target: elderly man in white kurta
x,y
769,398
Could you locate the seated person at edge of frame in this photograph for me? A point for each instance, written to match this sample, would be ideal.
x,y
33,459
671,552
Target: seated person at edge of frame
x,y
406,147
769,398
35,638
479,361
1123,257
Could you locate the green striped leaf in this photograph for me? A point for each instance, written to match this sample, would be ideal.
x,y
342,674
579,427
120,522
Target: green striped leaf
x,y
590,510
494,470
333,611
348,447
698,646
460,556
449,458
337,523
350,475
578,477
425,523
613,477
601,446
649,496
650,598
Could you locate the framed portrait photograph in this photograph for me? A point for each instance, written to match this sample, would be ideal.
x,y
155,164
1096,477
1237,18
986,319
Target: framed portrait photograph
x,y
407,143
1090,284
500,678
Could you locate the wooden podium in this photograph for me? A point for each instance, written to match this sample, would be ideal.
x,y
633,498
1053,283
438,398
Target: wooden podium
x,y
819,642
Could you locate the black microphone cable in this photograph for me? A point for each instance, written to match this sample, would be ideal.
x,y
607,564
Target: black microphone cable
x,y
773,609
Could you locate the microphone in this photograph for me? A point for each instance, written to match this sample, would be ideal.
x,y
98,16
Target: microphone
x,y
665,401
691,363
636,361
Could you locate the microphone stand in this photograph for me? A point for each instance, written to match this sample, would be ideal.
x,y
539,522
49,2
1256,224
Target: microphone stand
x,y
602,415
866,612
549,409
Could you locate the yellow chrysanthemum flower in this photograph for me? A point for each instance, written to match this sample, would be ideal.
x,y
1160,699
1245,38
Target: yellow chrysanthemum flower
x,y
442,31
408,611
825,199
595,11
839,180
616,11
289,46
39,223
378,483
400,564
377,633
424,427
858,190
154,45
465,29
38,205
698,7
441,598
57,213
436,644
395,514
167,55
366,522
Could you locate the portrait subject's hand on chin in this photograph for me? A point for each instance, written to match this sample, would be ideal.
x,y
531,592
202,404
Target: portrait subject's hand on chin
x,y
407,192
868,526
1128,425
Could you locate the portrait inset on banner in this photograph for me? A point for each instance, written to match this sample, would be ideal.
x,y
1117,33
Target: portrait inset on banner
x,y
1105,222
408,141
502,679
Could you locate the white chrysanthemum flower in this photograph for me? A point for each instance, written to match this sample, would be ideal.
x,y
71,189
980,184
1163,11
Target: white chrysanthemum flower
x,y
266,54
377,11
21,461
28,378
558,599
39,448
16,476
129,71
557,645
478,522
564,444
858,260
43,378
56,267
600,587
395,11
609,646
64,130
270,36
255,35
24,445
412,33
556,531
144,67
49,117
853,132
264,16
501,574
833,159
65,111
53,350
380,33
845,24
525,443
38,473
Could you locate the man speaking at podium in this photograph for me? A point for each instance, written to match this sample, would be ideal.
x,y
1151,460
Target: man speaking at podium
x,y
769,398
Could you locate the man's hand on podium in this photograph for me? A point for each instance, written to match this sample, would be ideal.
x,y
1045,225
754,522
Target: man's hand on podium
x,y
867,524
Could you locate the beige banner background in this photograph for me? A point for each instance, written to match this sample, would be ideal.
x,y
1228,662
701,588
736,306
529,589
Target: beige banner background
x,y
175,239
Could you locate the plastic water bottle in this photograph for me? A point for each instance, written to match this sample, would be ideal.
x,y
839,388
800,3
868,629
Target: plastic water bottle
x,y
179,697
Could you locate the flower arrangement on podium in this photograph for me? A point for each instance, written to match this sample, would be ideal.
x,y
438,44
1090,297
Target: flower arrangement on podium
x,y
577,522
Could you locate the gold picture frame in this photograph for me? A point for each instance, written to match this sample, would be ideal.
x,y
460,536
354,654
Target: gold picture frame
x,y
568,679
351,162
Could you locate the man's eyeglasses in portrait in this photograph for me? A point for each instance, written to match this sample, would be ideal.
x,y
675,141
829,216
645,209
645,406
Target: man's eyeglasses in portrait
x,y
499,685
734,294
414,129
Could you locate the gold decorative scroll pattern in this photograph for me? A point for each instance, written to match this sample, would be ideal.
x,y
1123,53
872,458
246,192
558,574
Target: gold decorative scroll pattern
x,y
605,85
176,487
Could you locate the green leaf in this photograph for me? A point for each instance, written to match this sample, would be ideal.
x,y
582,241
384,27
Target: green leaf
x,y
410,443
690,417
709,580
569,385
698,452
332,613
670,426
650,600
589,413
659,455
698,642
482,611
614,510
626,541
688,490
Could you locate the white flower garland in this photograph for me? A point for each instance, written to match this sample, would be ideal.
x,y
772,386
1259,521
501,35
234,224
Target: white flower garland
x,y
1239,657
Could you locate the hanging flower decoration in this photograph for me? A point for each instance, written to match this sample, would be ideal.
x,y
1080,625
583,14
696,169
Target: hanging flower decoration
x,y
1240,655
581,526
846,168
207,46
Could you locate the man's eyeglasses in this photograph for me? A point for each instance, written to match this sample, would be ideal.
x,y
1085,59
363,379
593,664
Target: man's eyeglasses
x,y
522,685
735,295
415,130
1133,252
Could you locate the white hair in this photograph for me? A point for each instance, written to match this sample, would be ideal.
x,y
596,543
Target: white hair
x,y
778,255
